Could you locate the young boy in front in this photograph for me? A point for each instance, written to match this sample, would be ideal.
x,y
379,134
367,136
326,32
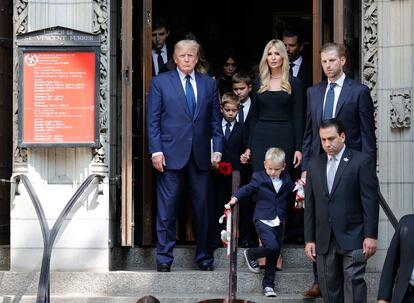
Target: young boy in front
x,y
233,146
272,187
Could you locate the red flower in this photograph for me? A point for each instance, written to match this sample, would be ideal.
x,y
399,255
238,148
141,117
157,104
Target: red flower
x,y
224,168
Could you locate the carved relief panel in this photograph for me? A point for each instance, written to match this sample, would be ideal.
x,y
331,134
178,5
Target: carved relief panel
x,y
400,108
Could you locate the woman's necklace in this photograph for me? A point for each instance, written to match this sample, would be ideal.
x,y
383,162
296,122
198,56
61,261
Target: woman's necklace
x,y
274,77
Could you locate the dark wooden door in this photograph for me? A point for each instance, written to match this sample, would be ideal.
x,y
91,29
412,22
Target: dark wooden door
x,y
6,114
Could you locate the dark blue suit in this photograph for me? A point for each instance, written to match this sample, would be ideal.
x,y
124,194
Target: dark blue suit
x,y
269,204
354,108
185,142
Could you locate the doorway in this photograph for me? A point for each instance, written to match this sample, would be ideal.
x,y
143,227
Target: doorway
x,y
218,26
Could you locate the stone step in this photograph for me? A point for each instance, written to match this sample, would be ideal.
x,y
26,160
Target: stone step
x,y
165,298
144,258
175,283
4,257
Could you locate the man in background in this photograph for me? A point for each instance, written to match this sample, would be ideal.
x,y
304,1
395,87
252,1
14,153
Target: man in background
x,y
160,53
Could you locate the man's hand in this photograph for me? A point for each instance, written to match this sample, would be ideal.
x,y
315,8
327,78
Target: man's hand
x,y
158,162
310,251
215,158
245,157
383,301
369,247
297,158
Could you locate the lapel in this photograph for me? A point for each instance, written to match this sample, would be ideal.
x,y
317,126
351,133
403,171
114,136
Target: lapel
x,y
323,160
319,102
343,163
178,86
200,94
282,177
269,182
343,96
249,113
234,130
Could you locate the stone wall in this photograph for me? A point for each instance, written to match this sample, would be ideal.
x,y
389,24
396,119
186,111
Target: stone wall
x,y
388,51
56,173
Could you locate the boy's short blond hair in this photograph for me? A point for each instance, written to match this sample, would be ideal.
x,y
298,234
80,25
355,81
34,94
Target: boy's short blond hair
x,y
275,155
230,98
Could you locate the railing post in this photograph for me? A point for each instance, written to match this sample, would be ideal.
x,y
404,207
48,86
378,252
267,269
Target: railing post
x,y
234,240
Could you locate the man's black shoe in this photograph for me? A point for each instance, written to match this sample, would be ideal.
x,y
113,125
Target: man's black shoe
x,y
206,266
163,267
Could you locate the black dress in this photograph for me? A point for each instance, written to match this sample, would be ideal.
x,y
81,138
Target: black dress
x,y
278,122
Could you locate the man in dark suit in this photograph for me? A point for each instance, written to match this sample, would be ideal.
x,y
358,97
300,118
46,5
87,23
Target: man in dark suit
x,y
341,97
341,215
299,66
183,115
160,52
352,104
397,278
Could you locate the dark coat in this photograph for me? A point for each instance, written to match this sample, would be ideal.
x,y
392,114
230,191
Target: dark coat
x,y
399,263
350,211
356,111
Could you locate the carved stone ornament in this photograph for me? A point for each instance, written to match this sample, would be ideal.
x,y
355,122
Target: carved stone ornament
x,y
101,26
20,15
370,48
400,110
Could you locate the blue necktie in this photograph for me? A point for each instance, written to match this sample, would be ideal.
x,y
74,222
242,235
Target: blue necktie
x,y
189,94
241,114
227,131
329,102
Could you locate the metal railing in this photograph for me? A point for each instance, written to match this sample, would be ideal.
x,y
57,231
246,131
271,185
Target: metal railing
x,y
49,235
387,210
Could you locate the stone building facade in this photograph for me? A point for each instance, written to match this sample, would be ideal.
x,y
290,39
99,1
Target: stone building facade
x,y
86,238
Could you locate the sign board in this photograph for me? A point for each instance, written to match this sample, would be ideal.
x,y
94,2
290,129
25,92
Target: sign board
x,y
58,89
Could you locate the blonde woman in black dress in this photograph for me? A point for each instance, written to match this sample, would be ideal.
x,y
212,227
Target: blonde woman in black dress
x,y
278,116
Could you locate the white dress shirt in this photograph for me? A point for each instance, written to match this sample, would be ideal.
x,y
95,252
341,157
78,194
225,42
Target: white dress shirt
x,y
337,158
337,91
224,123
277,184
192,80
296,66
164,56
246,107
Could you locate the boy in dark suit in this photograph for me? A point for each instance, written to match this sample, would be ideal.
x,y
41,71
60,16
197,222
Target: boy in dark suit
x,y
233,146
272,188
242,87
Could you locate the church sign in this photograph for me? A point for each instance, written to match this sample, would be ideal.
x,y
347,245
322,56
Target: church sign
x,y
58,88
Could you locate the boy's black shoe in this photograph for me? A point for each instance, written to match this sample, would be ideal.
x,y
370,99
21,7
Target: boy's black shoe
x,y
252,264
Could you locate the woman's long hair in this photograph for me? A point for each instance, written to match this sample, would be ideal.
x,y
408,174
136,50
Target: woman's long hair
x,y
264,70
